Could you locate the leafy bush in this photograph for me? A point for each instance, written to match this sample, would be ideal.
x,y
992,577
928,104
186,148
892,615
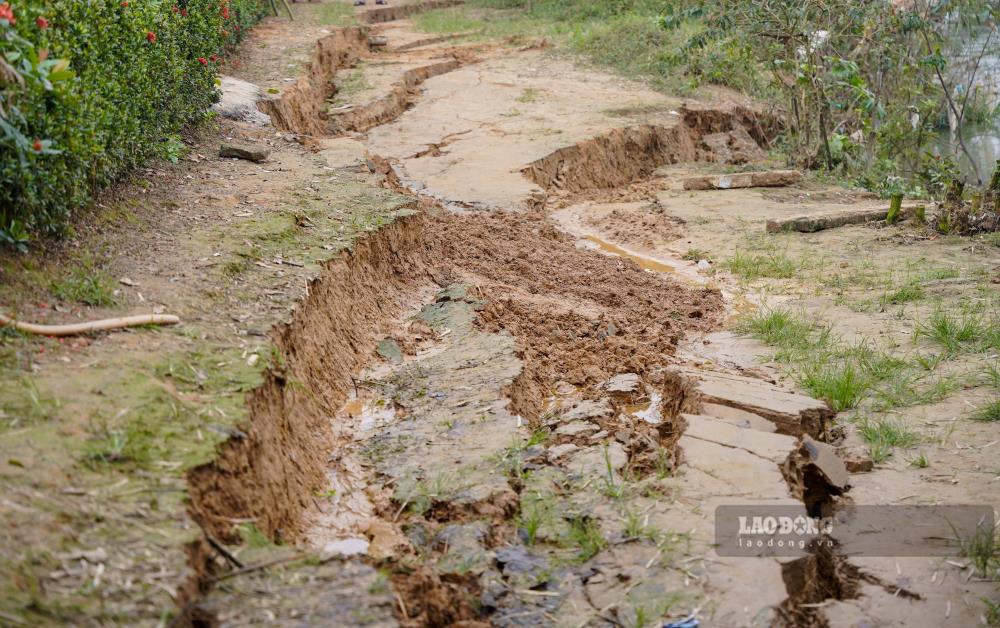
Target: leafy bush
x,y
89,90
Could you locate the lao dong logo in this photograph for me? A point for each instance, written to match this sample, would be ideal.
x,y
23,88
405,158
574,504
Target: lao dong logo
x,y
782,531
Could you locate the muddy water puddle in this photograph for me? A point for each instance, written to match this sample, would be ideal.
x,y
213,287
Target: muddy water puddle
x,y
644,262
368,414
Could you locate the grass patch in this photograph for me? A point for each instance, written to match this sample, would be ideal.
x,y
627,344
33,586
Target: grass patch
x,y
883,435
696,255
761,265
585,534
327,13
452,20
22,403
983,551
991,610
841,385
988,412
906,391
993,374
86,284
952,332
174,415
906,294
790,334
529,94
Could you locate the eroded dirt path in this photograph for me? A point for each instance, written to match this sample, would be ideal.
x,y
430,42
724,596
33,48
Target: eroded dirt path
x,y
525,444
511,401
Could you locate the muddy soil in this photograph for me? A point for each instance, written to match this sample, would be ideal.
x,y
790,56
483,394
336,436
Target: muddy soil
x,y
481,340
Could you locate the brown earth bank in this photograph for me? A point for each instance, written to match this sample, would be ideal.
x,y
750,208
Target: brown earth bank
x,y
458,417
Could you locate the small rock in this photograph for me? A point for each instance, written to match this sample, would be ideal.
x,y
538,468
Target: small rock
x,y
576,428
346,547
859,464
560,451
125,281
517,559
598,437
250,153
704,264
390,350
624,383
588,409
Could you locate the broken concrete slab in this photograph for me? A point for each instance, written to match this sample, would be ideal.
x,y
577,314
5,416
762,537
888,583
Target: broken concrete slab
x,y
815,474
243,151
738,417
810,223
774,447
768,179
730,471
792,413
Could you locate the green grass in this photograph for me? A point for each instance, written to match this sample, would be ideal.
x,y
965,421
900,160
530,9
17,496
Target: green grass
x,y
991,611
983,551
528,95
86,284
791,335
22,403
993,374
883,435
326,13
695,255
952,332
625,36
585,535
252,537
908,390
905,294
842,385
174,414
761,265
920,462
988,412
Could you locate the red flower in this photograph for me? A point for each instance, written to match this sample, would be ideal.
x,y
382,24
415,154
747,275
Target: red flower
x,y
37,146
42,23
225,12
203,60
151,37
213,58
176,9
125,4
7,13
224,33
184,12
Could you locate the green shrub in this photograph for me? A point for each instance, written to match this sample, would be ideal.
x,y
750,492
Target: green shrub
x,y
91,89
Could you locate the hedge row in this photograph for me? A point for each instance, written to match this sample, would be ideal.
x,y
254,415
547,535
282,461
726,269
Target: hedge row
x,y
90,89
